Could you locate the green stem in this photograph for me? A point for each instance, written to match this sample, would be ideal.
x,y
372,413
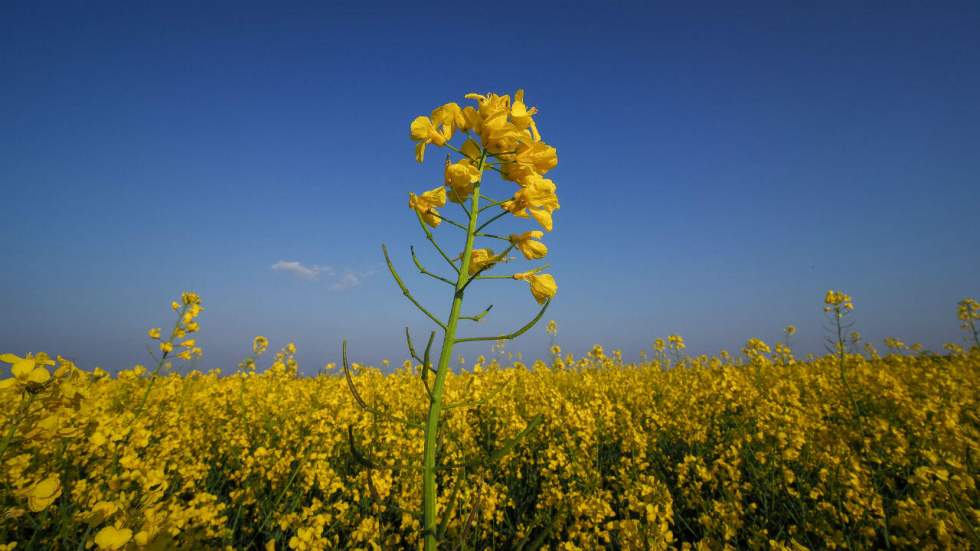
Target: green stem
x,y
429,490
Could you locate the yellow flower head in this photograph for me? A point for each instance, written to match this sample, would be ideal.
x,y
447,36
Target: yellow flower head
x,y
166,347
154,333
423,132
27,371
259,345
43,493
537,196
968,309
520,115
529,158
837,301
525,242
461,177
111,537
189,299
427,203
480,259
676,342
543,286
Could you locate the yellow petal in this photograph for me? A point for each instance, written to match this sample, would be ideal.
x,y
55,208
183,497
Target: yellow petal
x,y
420,128
44,493
543,217
39,375
22,368
111,537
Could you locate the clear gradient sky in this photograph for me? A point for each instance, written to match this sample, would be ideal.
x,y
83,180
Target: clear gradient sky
x,y
721,166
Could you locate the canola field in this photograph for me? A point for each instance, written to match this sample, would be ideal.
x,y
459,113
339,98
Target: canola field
x,y
857,449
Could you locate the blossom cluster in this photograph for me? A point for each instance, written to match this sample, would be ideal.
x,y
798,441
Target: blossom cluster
x,y
500,134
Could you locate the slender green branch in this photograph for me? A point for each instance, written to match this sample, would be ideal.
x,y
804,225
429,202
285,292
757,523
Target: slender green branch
x,y
449,221
428,235
411,347
513,335
492,220
405,291
422,270
427,363
534,271
492,236
426,367
479,316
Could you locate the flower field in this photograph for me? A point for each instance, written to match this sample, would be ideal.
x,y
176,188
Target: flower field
x,y
760,450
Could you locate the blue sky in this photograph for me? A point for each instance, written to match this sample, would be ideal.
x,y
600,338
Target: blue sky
x,y
721,166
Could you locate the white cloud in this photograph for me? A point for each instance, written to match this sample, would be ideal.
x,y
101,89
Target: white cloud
x,y
296,268
346,280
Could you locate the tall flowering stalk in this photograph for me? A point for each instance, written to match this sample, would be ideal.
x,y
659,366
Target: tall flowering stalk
x,y
499,135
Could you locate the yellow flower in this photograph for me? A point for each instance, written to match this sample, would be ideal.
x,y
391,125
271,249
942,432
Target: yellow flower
x,y
99,512
537,196
189,343
43,493
529,158
543,286
450,116
424,132
26,370
166,347
676,342
520,115
525,242
154,333
259,345
968,309
111,537
191,299
659,345
481,258
838,301
426,204
461,177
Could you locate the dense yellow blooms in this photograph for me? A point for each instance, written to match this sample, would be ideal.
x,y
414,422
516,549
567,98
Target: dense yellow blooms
x,y
746,454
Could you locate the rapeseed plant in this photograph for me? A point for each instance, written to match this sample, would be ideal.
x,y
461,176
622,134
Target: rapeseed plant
x,y
500,134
